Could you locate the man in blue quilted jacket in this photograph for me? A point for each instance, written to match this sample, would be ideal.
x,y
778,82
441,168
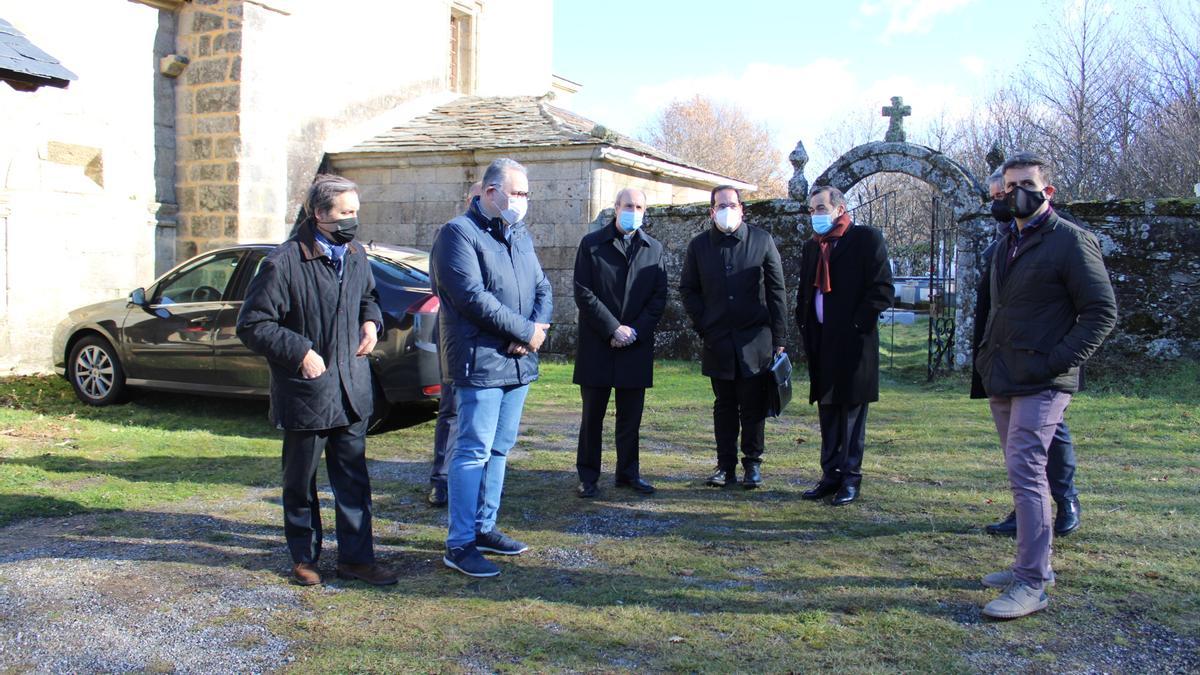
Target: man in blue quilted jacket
x,y
495,310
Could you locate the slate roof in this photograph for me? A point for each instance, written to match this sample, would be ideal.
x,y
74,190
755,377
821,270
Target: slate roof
x,y
490,122
26,67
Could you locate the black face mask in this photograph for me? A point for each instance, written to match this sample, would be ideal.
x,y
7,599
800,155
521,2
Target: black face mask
x,y
344,230
1024,202
1001,212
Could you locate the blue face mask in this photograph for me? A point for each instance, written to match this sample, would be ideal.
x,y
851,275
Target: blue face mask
x,y
822,223
629,220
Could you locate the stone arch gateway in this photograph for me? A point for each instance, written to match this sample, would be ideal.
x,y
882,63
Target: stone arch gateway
x,y
963,192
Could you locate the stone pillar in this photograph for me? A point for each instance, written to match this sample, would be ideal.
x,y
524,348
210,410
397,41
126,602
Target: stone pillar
x,y
974,235
208,100
166,209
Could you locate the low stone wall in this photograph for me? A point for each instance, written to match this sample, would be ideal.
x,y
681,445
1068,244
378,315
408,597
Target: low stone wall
x,y
1152,250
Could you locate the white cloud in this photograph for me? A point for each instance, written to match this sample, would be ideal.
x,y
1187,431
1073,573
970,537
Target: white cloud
x,y
974,65
909,16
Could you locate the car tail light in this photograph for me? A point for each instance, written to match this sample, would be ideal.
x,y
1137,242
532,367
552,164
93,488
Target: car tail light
x,y
427,305
432,389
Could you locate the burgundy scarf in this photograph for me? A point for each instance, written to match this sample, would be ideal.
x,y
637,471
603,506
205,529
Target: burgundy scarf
x,y
826,241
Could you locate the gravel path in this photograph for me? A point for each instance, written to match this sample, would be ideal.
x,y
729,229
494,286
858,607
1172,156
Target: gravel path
x,y
148,592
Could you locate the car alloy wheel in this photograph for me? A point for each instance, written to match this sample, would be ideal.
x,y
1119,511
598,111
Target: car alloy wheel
x,y
96,373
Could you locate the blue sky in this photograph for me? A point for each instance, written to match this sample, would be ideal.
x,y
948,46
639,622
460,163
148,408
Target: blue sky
x,y
798,65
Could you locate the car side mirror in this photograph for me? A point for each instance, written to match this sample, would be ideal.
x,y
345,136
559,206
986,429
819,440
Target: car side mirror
x,y
138,297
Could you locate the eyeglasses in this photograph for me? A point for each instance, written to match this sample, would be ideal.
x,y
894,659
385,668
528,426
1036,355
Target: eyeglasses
x,y
500,188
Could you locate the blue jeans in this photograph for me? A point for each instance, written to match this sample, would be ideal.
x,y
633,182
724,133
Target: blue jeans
x,y
487,429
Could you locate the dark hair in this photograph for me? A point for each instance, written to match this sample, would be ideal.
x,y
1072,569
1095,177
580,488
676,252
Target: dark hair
x,y
712,196
836,198
1021,160
324,190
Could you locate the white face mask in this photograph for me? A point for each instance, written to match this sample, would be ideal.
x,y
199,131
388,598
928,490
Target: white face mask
x,y
515,213
728,220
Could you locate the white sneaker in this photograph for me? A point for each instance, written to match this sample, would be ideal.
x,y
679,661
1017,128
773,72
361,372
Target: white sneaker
x,y
1003,579
1019,599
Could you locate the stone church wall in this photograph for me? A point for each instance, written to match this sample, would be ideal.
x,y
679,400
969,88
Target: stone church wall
x,y
80,185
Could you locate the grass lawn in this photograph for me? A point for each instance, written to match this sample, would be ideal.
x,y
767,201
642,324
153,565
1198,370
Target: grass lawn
x,y
693,578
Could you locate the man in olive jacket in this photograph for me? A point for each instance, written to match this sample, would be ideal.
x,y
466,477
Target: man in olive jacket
x,y
1060,458
845,282
621,291
311,310
1051,306
732,288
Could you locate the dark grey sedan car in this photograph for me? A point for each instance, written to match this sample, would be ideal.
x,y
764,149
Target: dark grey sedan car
x,y
178,334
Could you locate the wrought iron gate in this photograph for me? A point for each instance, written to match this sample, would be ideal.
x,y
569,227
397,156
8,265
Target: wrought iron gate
x,y
943,296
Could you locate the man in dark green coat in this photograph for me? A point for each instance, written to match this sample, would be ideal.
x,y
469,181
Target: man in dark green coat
x,y
1051,306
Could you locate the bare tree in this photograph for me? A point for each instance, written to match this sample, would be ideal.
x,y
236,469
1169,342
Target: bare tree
x,y
1165,154
720,137
1074,79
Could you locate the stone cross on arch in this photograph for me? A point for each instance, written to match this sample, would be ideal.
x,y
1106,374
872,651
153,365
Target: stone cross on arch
x,y
897,111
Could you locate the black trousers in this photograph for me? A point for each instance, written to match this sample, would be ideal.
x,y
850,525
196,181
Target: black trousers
x,y
629,420
346,461
443,431
843,438
740,403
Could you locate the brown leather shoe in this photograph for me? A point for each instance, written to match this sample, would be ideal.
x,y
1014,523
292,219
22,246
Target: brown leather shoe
x,y
372,573
305,574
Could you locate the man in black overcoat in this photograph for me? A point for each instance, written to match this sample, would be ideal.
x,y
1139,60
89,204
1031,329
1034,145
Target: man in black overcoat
x,y
311,310
620,290
732,288
845,283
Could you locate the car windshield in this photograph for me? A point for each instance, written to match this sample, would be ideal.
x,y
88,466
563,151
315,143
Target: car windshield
x,y
392,273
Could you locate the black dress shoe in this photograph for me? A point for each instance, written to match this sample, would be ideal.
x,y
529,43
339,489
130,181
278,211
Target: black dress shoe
x,y
437,495
722,478
586,490
820,491
1004,528
637,485
1067,519
752,477
845,494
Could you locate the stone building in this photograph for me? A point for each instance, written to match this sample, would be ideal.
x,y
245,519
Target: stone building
x,y
199,123
414,177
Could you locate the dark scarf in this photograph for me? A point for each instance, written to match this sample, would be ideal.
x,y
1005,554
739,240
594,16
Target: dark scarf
x,y
826,241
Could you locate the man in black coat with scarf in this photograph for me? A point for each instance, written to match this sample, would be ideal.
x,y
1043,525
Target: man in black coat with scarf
x,y
621,291
311,310
732,288
845,282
